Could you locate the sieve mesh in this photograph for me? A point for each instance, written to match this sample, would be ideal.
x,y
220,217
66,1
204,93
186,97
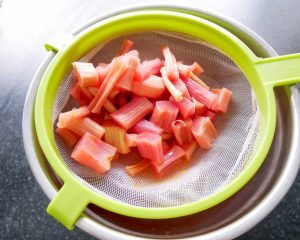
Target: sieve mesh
x,y
209,170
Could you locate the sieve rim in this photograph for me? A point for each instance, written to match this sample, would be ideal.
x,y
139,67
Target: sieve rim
x,y
52,154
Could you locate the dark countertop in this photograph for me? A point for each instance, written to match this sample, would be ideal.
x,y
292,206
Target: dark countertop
x,y
26,25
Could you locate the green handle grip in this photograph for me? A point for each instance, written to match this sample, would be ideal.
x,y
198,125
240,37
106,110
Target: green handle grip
x,y
281,70
58,41
68,204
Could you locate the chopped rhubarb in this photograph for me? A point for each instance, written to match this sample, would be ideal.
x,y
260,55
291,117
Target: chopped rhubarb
x,y
167,136
146,126
131,53
115,136
138,167
223,99
200,108
80,96
169,85
150,146
197,69
182,131
107,116
121,100
103,65
113,93
87,92
152,87
115,72
186,107
94,153
148,68
181,87
190,149
108,105
116,157
198,80
66,117
212,116
131,113
125,82
165,146
67,136
170,159
102,70
201,94
204,132
126,46
92,91
82,125
131,139
148,106
170,64
98,118
86,74
185,70
165,112
165,95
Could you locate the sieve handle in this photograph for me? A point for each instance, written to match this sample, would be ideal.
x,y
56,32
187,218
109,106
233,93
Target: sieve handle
x,y
68,204
58,41
281,70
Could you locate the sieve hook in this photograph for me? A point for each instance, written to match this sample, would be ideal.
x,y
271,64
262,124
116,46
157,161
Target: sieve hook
x,y
281,70
58,41
69,204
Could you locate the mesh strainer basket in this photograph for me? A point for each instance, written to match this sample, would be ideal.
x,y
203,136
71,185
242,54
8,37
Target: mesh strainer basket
x,y
245,133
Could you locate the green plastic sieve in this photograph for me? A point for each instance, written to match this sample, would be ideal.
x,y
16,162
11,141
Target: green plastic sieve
x,y
262,75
